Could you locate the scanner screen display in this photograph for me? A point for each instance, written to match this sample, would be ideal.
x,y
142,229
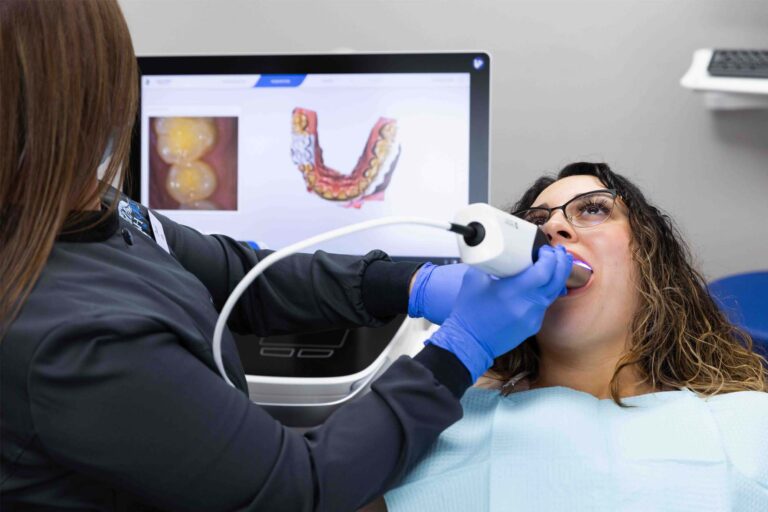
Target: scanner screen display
x,y
275,158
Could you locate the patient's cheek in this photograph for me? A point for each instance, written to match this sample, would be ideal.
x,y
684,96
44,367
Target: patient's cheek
x,y
191,182
184,139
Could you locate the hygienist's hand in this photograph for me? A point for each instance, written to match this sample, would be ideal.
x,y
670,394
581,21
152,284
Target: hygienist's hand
x,y
492,316
434,291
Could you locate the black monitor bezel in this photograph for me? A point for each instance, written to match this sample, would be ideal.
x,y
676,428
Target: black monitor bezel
x,y
339,63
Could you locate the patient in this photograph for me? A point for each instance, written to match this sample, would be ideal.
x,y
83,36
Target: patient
x,y
636,394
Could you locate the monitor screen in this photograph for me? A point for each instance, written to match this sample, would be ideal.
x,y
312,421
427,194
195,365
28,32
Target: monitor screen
x,y
275,149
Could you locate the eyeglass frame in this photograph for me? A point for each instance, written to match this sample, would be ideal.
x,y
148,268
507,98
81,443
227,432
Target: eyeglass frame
x,y
550,211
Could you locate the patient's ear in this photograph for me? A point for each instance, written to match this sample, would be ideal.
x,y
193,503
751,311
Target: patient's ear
x,y
377,505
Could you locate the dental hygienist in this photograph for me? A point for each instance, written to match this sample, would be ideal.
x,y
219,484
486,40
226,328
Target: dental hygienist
x,y
110,395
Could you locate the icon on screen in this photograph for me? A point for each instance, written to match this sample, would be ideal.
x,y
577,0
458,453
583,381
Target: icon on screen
x,y
478,63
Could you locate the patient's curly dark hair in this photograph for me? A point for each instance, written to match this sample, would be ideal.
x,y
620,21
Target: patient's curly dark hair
x,y
679,336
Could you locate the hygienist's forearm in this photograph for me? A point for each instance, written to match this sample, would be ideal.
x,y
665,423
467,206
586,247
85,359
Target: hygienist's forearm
x,y
302,292
447,369
387,286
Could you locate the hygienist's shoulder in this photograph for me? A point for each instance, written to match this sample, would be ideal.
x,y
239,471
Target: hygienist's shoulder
x,y
742,418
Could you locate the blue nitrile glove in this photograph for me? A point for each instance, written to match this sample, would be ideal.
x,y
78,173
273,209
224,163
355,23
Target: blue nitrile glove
x,y
492,316
434,291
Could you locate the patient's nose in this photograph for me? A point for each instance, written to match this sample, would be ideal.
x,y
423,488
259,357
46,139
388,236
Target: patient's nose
x,y
558,228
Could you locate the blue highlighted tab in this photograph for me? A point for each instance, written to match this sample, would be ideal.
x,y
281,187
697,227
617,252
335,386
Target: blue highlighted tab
x,y
280,80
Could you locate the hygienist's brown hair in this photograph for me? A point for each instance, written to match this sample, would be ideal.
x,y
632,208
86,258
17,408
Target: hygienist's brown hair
x,y
68,83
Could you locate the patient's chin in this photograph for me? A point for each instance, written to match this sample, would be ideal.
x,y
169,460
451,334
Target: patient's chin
x,y
559,339
563,319
597,313
567,328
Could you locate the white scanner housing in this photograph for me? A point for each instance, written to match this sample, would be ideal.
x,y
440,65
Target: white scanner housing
x,y
510,245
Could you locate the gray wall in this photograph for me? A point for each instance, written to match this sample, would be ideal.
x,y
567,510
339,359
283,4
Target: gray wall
x,y
571,80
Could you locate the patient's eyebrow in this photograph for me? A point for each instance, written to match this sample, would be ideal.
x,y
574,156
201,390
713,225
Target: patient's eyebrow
x,y
542,205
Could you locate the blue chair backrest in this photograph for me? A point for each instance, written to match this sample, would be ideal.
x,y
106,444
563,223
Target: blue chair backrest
x,y
744,300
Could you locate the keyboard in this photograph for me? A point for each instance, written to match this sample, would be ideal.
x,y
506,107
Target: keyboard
x,y
739,63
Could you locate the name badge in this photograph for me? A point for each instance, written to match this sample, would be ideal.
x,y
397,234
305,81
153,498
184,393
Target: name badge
x,y
157,229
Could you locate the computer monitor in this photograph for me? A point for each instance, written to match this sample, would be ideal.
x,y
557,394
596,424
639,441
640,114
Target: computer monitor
x,y
274,149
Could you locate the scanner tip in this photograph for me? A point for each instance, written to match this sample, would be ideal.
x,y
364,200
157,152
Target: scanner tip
x,y
580,274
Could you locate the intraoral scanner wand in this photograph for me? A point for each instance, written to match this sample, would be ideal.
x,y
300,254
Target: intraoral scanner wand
x,y
491,240
504,245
